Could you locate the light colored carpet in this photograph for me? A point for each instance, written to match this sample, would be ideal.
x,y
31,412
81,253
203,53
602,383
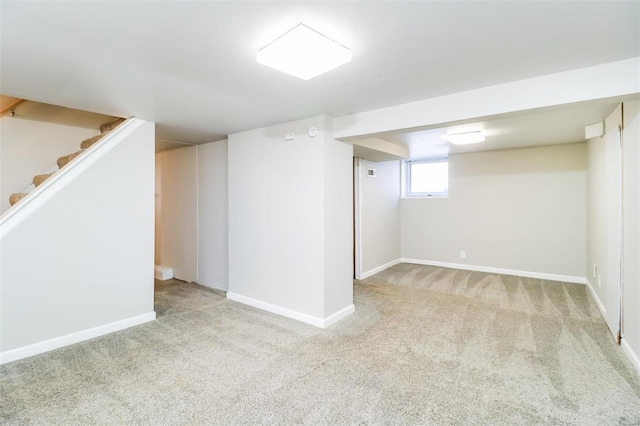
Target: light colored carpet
x,y
426,345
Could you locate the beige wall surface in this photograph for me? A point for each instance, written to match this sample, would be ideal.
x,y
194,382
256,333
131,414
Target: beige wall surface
x,y
380,214
179,211
520,209
157,258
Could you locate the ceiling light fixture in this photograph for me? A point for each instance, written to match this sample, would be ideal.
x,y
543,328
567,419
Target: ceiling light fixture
x,y
303,53
466,138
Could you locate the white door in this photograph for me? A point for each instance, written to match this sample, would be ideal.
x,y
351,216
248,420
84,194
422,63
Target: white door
x,y
613,280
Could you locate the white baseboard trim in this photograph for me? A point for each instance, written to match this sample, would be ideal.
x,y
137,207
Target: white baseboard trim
x,y
162,273
528,274
275,309
374,271
599,304
69,339
631,354
341,314
290,313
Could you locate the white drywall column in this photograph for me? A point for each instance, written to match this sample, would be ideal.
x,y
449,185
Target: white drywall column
x,y
29,148
338,226
213,208
179,212
521,211
379,216
290,215
81,264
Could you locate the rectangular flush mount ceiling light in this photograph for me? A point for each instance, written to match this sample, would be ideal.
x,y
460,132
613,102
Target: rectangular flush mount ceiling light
x,y
466,138
303,53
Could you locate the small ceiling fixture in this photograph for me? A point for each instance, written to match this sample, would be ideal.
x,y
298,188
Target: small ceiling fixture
x,y
466,138
303,53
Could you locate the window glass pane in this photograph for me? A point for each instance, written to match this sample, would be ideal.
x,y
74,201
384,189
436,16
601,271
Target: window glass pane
x,y
430,177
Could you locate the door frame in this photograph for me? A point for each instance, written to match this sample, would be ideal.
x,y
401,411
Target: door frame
x,y
357,219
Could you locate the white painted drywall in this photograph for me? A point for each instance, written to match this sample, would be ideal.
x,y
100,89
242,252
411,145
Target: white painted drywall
x,y
276,216
338,223
380,214
375,149
213,209
157,258
613,200
521,209
603,204
84,259
596,217
288,208
600,81
29,148
631,201
179,212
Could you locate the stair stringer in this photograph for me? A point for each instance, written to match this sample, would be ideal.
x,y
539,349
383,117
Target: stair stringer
x,y
68,269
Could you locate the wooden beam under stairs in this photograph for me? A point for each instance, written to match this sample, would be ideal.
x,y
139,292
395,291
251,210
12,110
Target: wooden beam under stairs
x,y
9,106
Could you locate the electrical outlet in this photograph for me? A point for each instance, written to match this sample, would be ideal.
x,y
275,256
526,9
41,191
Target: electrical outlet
x,y
595,270
463,255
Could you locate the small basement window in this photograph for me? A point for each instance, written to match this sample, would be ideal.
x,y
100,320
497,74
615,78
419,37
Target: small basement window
x,y
427,178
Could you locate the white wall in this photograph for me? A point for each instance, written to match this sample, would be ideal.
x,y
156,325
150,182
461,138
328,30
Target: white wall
x,y
290,214
84,258
631,291
179,211
379,214
213,224
521,210
157,258
338,223
603,238
192,225
596,216
29,148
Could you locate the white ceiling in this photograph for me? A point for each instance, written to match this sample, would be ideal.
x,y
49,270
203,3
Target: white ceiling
x,y
548,126
190,66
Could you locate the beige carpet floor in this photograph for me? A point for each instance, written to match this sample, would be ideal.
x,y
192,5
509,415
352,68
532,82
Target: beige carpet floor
x,y
426,345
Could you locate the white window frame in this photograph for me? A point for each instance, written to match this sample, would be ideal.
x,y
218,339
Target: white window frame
x,y
407,179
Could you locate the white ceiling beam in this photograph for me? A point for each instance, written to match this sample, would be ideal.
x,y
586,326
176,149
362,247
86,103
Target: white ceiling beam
x,y
374,149
608,80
